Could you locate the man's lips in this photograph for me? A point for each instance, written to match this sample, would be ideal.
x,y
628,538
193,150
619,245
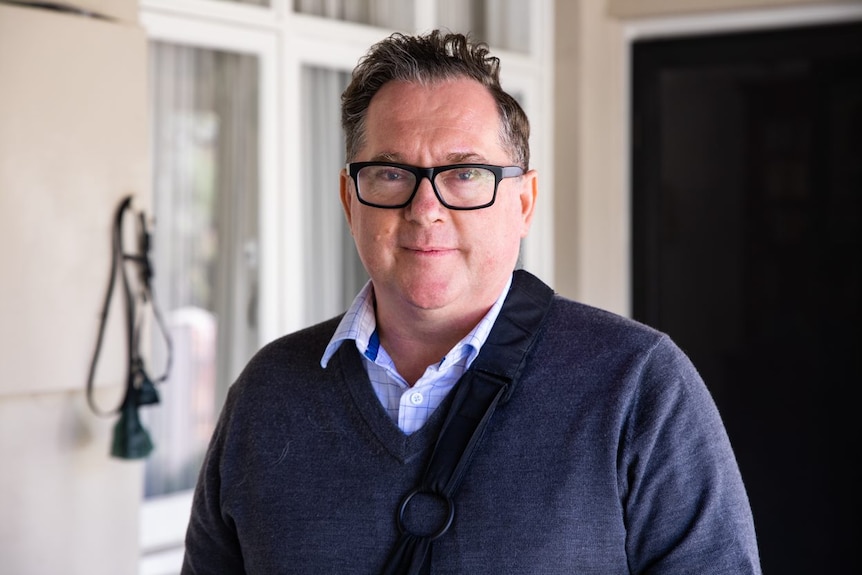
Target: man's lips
x,y
429,250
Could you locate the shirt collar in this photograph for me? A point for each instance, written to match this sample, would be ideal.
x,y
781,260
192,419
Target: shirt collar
x,y
359,324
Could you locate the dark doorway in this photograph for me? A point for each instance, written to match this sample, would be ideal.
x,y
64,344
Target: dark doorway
x,y
747,250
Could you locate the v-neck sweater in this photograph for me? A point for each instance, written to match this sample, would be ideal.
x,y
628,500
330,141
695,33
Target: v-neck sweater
x,y
609,458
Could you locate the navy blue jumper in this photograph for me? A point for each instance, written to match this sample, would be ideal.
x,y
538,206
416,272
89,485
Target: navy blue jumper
x,y
609,458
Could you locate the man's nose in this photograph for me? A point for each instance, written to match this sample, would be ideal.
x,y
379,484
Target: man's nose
x,y
425,202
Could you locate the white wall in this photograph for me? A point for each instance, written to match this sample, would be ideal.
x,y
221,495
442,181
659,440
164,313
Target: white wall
x,y
73,142
591,225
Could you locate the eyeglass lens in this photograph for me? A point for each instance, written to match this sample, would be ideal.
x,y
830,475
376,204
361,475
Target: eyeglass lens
x,y
463,187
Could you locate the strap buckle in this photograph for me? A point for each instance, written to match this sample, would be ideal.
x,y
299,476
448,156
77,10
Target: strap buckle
x,y
450,505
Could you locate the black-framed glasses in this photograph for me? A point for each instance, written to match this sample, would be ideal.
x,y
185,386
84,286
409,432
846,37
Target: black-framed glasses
x,y
457,186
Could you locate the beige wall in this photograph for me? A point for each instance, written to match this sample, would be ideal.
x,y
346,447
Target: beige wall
x,y
591,234
73,142
592,253
640,8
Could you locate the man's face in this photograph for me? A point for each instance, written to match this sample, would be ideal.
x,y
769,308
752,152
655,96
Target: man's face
x,y
425,257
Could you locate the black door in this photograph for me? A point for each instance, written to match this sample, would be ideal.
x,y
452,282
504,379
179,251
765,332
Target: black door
x,y
747,250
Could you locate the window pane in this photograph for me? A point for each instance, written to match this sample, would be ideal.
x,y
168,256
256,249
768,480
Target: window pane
x,y
395,14
501,23
205,193
333,272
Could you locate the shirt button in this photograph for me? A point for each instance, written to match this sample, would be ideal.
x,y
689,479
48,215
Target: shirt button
x,y
416,398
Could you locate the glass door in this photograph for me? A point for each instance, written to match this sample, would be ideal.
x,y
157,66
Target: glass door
x,y
212,184
205,201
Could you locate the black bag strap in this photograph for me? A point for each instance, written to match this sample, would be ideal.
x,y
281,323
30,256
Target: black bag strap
x,y
488,382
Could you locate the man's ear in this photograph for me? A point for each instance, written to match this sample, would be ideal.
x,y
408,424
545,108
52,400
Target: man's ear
x,y
344,191
529,192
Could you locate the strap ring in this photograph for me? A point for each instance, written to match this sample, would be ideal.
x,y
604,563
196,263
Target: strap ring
x,y
446,524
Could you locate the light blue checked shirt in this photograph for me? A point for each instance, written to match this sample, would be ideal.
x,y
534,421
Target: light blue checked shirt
x,y
409,407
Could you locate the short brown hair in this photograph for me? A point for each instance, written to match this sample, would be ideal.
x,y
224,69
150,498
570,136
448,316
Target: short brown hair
x,y
426,59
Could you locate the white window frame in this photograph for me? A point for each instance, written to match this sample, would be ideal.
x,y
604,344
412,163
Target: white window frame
x,y
285,42
164,519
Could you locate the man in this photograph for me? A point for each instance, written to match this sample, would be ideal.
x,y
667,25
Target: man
x,y
606,455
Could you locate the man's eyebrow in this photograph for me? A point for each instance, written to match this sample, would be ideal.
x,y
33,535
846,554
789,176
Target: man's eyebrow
x,y
387,157
466,158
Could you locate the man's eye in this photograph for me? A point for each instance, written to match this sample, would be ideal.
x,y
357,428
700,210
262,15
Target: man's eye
x,y
468,176
389,175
